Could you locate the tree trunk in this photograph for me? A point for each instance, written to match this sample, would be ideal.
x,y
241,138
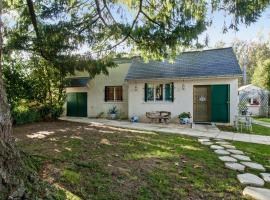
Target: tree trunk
x,y
5,118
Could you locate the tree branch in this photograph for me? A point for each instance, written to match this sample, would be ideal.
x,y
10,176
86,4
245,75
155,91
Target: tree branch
x,y
33,17
99,13
130,31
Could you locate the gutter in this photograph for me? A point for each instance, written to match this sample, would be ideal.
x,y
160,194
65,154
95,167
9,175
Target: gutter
x,y
187,78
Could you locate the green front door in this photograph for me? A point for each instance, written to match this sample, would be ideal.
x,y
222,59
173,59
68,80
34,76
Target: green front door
x,y
77,104
220,103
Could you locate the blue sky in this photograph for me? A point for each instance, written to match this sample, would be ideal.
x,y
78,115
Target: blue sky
x,y
260,29
254,32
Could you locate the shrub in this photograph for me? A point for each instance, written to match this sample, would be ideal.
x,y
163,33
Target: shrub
x,y
33,112
22,115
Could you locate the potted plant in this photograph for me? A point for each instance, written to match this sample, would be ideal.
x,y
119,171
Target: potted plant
x,y
184,117
113,112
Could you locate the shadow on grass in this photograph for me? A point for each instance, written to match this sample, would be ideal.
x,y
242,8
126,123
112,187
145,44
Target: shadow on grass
x,y
101,162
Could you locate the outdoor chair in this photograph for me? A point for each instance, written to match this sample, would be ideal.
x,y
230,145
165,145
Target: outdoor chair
x,y
243,121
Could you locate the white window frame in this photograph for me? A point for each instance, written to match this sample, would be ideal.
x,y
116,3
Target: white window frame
x,y
163,91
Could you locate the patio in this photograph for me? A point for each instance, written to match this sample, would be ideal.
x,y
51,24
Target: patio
x,y
198,131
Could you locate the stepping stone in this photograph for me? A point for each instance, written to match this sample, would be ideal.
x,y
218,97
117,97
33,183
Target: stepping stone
x,y
254,165
266,177
216,147
235,151
203,140
207,143
235,166
250,179
257,193
222,152
217,139
222,142
227,159
228,146
241,157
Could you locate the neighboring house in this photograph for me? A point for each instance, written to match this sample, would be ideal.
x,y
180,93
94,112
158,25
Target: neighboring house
x,y
203,83
255,99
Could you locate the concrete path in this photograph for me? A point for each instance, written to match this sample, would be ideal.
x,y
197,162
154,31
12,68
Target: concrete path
x,y
266,124
174,128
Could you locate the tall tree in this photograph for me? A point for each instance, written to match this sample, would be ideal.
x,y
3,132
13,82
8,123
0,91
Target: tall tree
x,y
261,75
5,119
250,54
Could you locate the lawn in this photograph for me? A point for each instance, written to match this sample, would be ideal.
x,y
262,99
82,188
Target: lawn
x,y
259,153
263,119
99,162
256,129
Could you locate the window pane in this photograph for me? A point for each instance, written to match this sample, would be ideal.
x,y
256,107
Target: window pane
x,y
150,92
169,92
109,93
118,93
159,92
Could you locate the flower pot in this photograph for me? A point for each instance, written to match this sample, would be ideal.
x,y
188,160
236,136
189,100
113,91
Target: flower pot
x,y
185,120
113,116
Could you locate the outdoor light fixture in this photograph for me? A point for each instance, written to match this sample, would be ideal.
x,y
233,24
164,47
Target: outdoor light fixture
x,y
183,86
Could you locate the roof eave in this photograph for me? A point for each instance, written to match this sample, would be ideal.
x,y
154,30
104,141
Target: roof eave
x,y
189,77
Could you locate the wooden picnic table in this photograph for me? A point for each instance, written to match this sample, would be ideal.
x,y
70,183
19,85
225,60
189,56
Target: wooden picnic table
x,y
159,116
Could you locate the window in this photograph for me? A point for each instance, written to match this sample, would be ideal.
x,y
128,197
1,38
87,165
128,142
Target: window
x,y
155,92
113,93
159,92
253,101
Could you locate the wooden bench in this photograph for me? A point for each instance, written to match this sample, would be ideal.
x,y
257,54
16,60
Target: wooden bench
x,y
159,116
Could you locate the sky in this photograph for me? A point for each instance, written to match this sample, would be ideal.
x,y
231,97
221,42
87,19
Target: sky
x,y
260,29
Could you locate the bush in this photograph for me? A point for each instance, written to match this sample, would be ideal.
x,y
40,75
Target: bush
x,y
23,115
34,112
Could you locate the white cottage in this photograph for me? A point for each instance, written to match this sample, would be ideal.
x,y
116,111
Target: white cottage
x,y
204,83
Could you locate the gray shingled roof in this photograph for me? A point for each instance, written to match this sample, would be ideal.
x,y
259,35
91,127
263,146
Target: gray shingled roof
x,y
207,63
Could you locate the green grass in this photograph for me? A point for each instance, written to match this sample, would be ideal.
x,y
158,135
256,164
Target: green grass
x,y
257,152
263,119
93,162
256,129
71,176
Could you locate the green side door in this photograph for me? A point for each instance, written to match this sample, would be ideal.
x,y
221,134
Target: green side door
x,y
220,103
77,104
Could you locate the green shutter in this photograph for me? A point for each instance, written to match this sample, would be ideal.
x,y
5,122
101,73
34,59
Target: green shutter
x,y
169,92
172,85
77,104
71,104
105,94
145,92
220,103
82,104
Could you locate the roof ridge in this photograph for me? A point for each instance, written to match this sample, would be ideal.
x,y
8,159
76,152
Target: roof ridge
x,y
211,49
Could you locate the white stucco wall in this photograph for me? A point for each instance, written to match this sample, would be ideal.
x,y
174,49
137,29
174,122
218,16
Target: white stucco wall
x,y
183,97
133,94
96,87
